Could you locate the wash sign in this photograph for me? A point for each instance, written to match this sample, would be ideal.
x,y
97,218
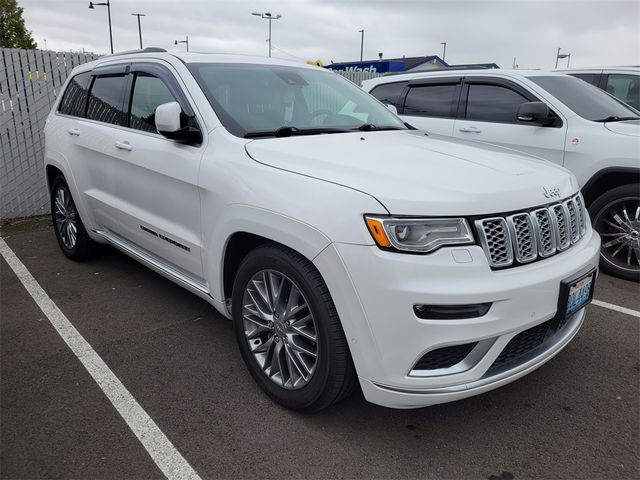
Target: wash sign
x,y
382,66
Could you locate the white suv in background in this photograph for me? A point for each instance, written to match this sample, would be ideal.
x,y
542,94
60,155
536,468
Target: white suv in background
x,y
346,247
621,82
550,115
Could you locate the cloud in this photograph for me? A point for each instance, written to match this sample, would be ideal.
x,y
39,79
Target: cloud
x,y
595,32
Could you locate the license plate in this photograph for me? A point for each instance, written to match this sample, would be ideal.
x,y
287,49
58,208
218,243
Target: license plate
x,y
576,293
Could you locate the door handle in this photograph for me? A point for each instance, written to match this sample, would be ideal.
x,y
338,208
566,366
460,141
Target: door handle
x,y
470,130
73,131
124,145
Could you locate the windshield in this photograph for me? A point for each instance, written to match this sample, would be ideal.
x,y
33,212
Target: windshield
x,y
266,100
584,99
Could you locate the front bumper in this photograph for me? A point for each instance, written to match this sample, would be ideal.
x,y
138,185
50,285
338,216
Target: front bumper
x,y
375,291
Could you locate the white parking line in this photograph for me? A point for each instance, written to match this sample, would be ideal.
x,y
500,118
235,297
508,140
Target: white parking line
x,y
617,308
161,450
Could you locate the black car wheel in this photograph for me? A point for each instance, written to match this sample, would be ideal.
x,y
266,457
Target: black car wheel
x,y
72,237
616,217
288,330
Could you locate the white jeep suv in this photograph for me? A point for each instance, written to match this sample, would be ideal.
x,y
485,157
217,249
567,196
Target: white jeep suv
x,y
346,247
550,115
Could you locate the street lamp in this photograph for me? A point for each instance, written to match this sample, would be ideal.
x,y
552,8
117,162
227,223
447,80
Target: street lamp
x,y
186,40
139,28
361,43
562,55
107,4
269,17
444,50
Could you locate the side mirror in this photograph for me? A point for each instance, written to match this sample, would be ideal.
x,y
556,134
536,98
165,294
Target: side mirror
x,y
174,124
392,108
534,112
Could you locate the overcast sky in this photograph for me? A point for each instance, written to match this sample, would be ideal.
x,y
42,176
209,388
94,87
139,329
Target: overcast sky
x,y
595,32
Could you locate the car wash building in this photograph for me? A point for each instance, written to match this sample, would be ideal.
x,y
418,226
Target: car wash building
x,y
400,65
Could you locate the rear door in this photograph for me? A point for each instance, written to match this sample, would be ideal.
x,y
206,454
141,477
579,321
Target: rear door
x,y
94,162
489,114
431,104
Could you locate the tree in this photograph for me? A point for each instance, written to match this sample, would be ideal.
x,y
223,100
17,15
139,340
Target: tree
x,y
13,32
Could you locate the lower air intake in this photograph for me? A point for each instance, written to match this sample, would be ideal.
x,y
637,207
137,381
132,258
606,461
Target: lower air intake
x,y
445,357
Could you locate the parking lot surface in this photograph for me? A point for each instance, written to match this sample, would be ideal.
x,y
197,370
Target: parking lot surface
x,y
578,416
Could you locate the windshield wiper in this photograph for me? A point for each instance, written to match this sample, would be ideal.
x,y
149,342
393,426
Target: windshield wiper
x,y
614,118
288,131
367,127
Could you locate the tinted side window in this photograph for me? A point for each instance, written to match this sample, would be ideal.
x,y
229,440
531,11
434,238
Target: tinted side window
x,y
493,103
625,88
106,99
148,92
591,78
430,101
74,99
389,93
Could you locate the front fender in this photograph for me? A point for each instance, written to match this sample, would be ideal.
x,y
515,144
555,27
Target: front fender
x,y
295,234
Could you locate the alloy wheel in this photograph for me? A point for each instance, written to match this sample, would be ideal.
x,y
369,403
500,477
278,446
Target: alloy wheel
x,y
618,223
280,329
66,218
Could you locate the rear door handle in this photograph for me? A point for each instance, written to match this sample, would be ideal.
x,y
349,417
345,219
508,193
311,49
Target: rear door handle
x,y
73,131
470,130
124,145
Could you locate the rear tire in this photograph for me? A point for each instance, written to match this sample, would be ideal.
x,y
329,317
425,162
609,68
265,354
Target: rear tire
x,y
72,237
615,215
289,332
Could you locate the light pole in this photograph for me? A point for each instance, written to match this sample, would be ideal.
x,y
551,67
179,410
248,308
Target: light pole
x,y
139,27
361,43
269,17
562,55
186,40
444,50
107,4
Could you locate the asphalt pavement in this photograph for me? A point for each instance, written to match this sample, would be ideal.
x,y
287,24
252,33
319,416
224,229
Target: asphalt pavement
x,y
578,416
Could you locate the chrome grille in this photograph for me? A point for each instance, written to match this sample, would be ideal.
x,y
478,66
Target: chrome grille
x,y
582,212
574,223
524,239
496,241
563,240
546,237
527,236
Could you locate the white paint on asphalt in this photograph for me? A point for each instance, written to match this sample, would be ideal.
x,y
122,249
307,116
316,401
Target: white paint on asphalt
x,y
155,442
617,308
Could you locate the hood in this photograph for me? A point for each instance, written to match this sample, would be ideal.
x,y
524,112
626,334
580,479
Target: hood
x,y
626,127
411,173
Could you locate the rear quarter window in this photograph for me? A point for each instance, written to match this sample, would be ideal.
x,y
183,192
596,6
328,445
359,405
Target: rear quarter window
x,y
591,78
74,99
389,93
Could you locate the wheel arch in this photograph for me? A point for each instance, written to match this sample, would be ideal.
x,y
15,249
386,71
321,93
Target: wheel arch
x,y
246,227
609,178
51,173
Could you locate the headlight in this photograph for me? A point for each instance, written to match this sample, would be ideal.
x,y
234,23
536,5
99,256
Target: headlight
x,y
420,235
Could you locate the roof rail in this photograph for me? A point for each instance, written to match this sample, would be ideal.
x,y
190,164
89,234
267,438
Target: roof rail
x,y
139,50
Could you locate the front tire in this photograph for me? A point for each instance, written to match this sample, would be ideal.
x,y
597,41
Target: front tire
x,y
72,237
616,217
288,330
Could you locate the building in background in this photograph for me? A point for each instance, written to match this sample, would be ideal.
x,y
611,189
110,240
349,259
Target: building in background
x,y
359,71
404,65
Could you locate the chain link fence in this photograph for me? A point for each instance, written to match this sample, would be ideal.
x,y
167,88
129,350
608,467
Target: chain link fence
x,y
30,80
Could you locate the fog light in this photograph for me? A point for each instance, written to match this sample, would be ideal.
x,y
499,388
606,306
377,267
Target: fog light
x,y
451,312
